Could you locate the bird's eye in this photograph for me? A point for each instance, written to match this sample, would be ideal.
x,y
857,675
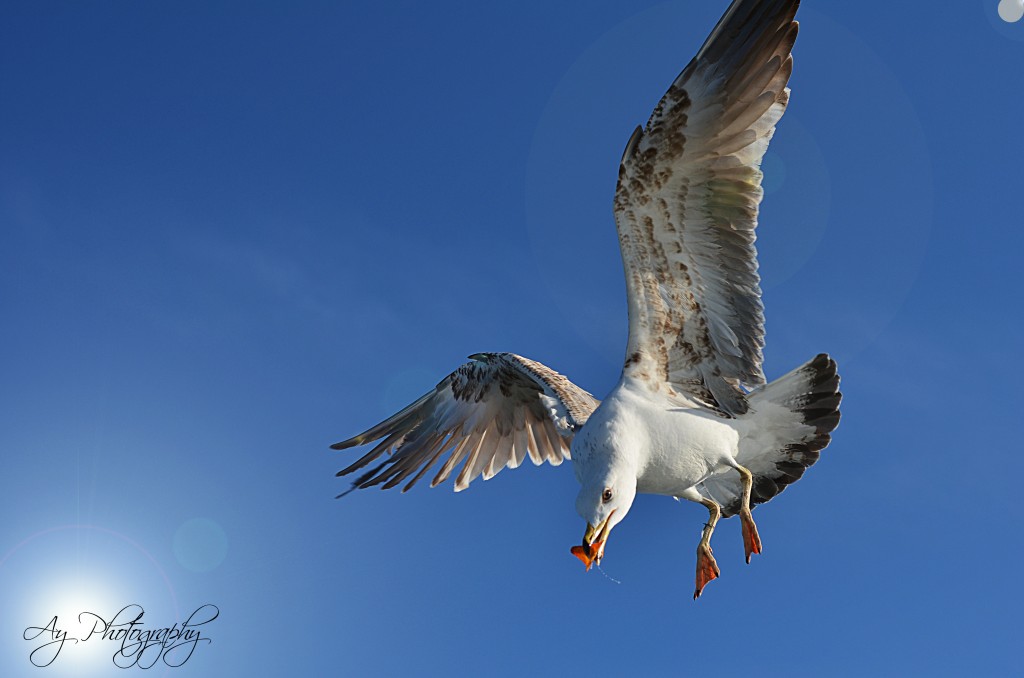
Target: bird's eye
x,y
606,496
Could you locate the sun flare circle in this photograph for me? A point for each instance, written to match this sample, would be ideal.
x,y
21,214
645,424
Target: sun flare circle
x,y
64,585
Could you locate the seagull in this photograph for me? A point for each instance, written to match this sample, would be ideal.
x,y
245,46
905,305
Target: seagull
x,y
692,415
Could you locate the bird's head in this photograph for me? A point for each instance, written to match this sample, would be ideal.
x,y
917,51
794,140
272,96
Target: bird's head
x,y
603,503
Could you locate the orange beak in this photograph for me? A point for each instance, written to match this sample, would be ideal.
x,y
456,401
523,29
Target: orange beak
x,y
592,550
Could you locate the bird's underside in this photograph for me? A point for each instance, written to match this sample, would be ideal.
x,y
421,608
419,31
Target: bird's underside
x,y
686,208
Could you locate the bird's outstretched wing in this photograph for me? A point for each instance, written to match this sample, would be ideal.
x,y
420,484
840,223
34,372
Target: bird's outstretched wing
x,y
686,207
492,412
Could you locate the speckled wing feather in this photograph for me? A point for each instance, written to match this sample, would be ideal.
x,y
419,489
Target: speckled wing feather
x,y
686,208
490,413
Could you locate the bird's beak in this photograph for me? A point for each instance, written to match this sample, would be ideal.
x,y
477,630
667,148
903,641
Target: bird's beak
x,y
592,549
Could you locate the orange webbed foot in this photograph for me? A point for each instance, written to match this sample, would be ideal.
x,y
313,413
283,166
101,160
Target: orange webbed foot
x,y
751,539
707,569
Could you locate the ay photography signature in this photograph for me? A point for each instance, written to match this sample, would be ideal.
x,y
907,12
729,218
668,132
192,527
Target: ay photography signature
x,y
131,642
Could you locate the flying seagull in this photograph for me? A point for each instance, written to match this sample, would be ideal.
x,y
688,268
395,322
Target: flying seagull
x,y
692,415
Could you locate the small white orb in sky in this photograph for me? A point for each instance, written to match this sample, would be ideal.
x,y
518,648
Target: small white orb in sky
x,y
200,544
1011,11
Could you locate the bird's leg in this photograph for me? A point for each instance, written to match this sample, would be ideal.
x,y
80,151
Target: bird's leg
x,y
707,568
751,540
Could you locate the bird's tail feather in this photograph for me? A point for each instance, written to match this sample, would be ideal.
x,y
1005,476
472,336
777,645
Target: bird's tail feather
x,y
789,422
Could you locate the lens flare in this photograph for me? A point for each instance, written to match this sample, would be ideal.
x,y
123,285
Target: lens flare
x,y
64,583
1011,11
200,544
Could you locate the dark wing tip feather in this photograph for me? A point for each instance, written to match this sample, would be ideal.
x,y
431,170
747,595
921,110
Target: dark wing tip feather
x,y
742,23
361,482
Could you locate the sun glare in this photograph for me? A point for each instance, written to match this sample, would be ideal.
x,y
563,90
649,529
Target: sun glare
x,y
77,606
64,587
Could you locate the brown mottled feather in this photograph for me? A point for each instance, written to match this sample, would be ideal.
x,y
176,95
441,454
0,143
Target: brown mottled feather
x,y
686,207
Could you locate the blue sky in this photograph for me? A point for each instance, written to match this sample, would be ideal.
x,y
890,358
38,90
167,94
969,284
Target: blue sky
x,y
232,234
